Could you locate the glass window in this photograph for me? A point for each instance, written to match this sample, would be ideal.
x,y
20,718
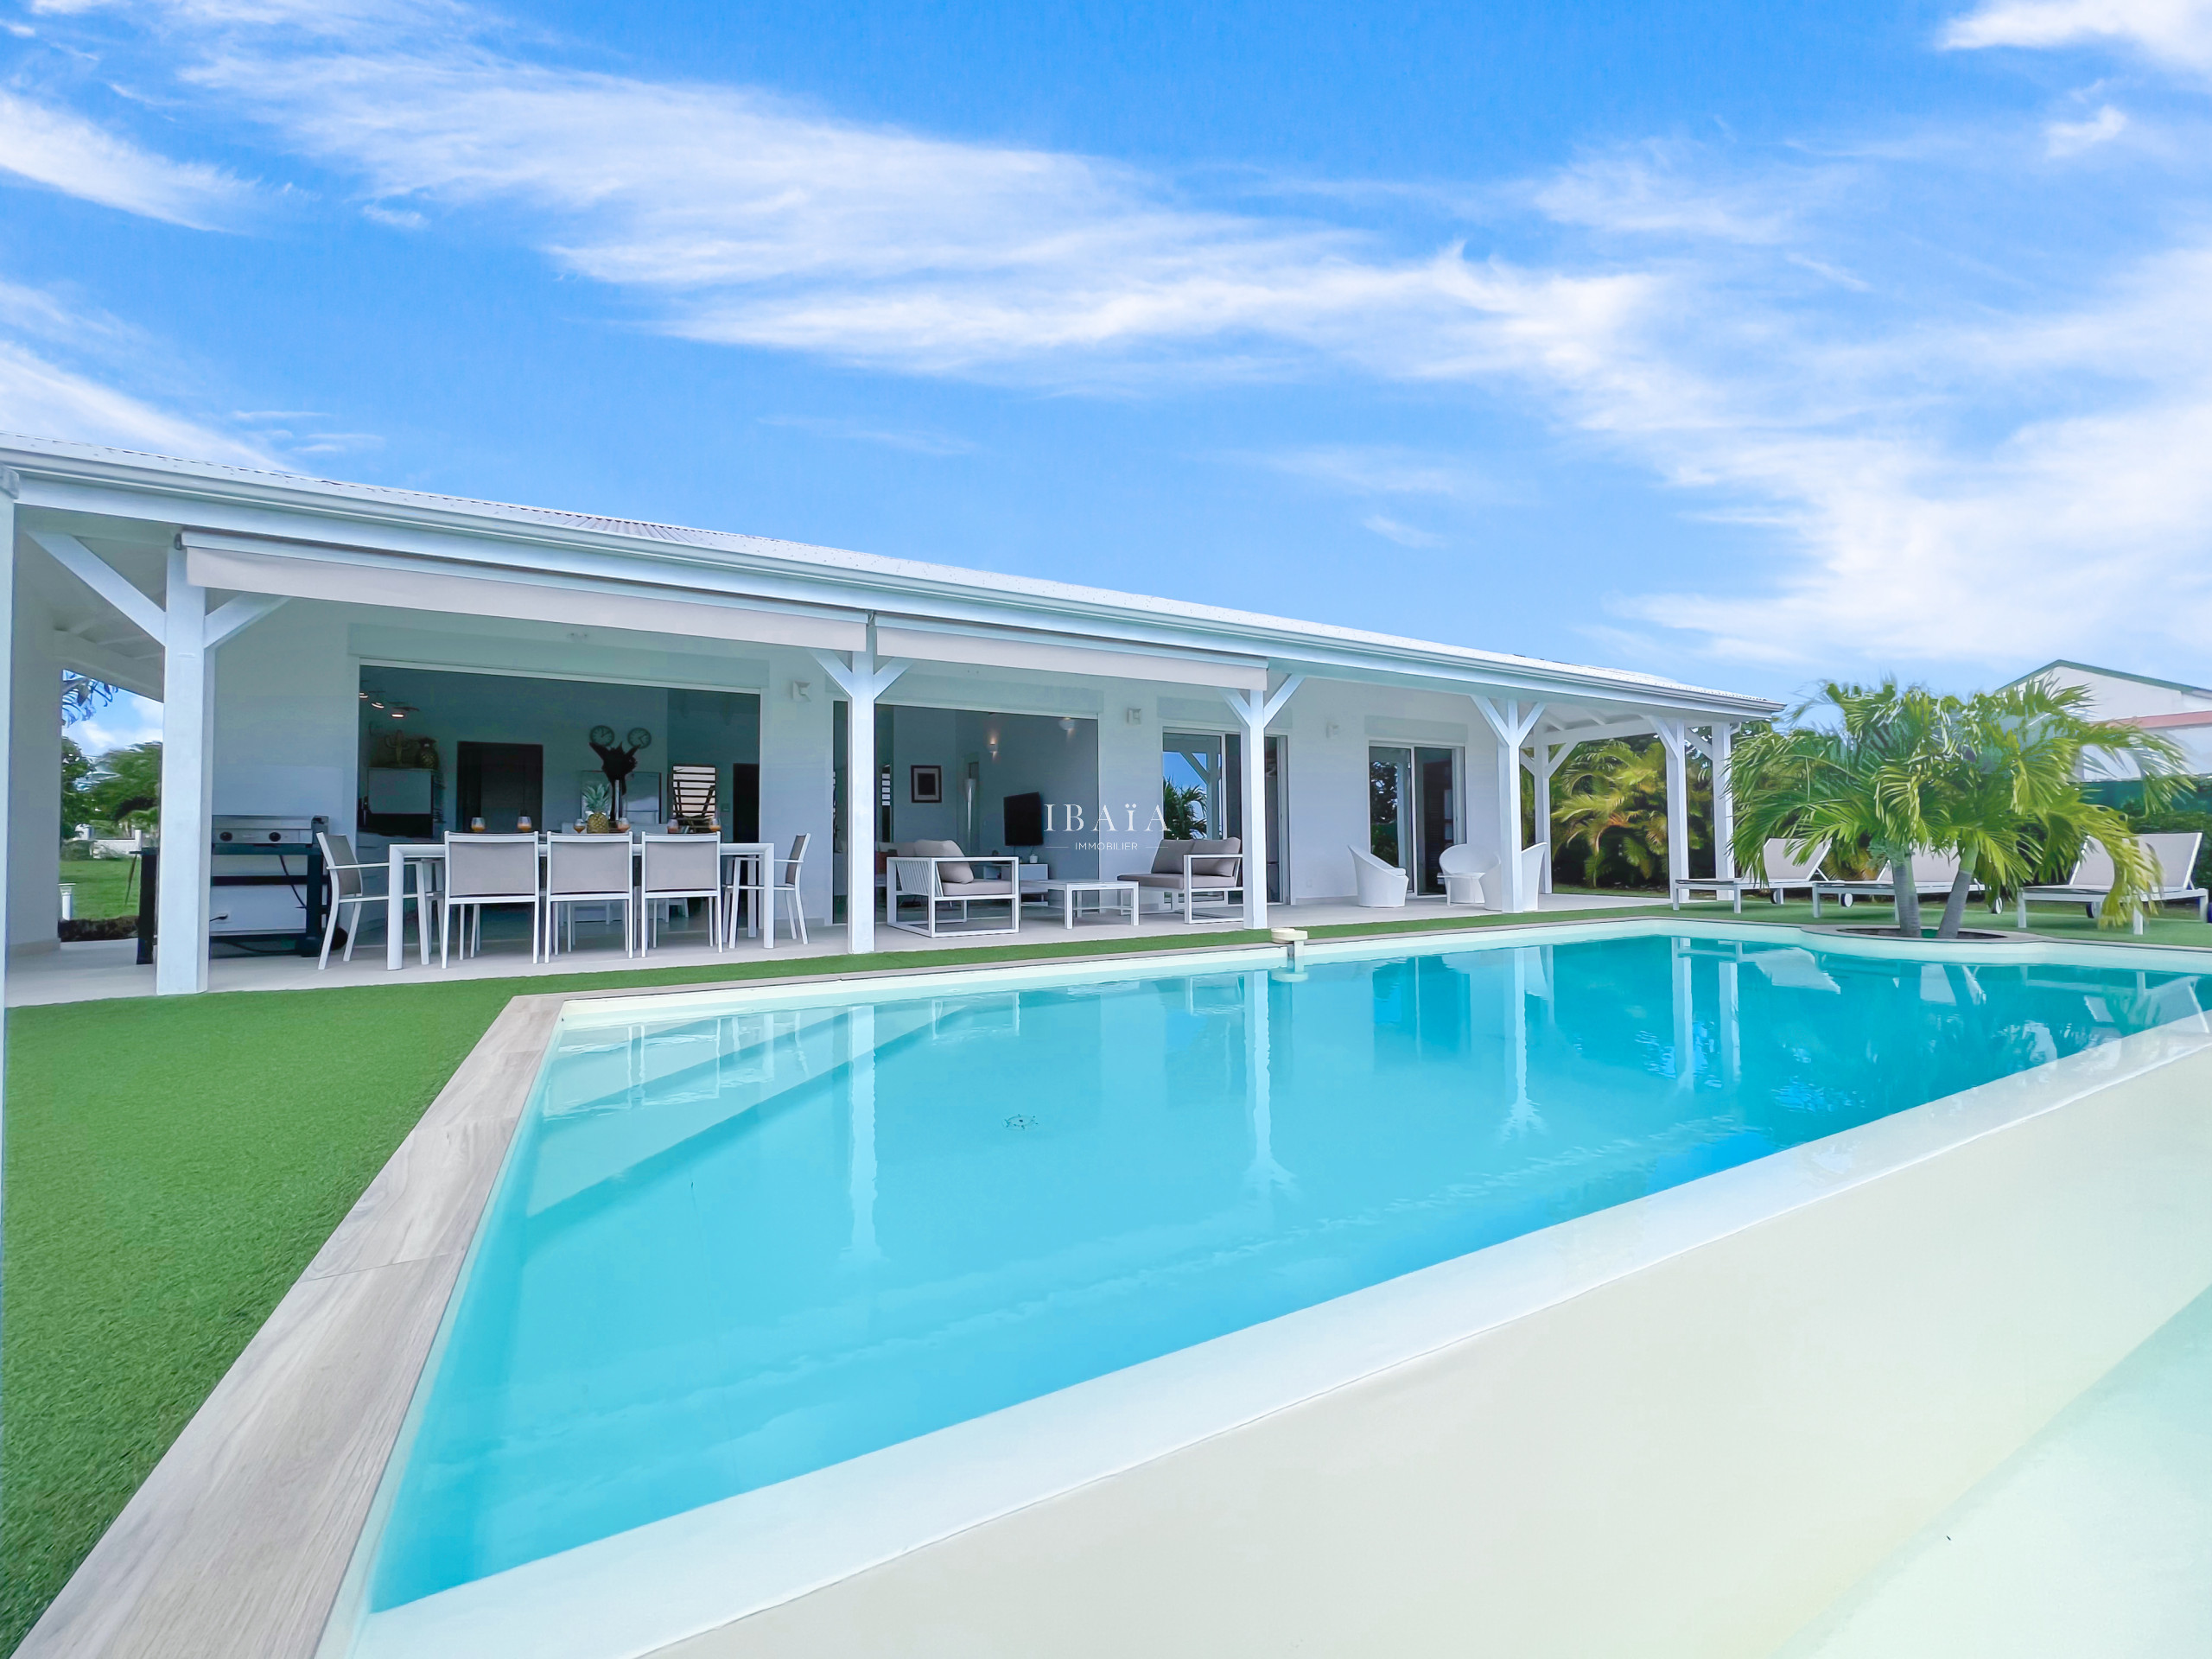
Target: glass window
x,y
1193,797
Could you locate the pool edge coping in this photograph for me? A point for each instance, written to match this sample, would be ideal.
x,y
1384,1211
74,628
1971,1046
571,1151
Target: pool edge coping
x,y
227,1507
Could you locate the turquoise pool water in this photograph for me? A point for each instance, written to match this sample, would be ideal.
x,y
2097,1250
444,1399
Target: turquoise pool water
x,y
730,1250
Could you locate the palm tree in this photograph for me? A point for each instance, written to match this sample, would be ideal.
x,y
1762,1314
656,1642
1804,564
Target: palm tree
x,y
1864,781
1612,799
2008,796
1991,778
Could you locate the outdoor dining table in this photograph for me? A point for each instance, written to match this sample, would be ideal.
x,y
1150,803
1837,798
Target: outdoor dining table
x,y
414,858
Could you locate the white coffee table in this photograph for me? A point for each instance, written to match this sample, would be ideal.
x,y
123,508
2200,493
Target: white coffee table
x,y
1070,894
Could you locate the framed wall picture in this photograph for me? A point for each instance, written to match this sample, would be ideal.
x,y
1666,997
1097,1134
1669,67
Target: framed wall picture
x,y
925,785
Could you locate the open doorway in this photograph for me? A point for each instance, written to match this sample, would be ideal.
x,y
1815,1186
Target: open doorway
x,y
500,783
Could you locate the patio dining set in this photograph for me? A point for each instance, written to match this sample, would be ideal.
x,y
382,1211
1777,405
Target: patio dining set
x,y
647,878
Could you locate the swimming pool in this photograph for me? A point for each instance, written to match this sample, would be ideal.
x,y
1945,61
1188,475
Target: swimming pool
x,y
732,1248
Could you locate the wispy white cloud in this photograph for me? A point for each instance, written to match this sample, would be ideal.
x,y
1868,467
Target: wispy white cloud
x,y
1403,534
2072,138
1386,469
65,152
1931,474
62,369
1652,190
916,442
2177,33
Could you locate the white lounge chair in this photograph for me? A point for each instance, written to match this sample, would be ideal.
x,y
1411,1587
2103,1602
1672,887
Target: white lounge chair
x,y
1932,875
1382,886
1185,872
937,876
1783,873
1462,873
2090,883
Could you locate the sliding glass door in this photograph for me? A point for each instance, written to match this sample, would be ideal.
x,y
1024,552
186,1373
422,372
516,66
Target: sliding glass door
x,y
1412,809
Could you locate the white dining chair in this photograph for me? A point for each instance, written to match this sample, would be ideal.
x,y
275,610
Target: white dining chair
x,y
784,885
587,870
484,870
679,866
346,884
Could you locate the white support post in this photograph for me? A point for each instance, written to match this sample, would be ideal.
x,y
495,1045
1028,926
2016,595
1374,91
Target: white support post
x,y
864,678
1254,711
187,802
1543,761
1674,736
1724,802
1511,723
10,487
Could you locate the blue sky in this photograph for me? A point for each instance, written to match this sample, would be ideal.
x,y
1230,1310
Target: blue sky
x,y
1747,344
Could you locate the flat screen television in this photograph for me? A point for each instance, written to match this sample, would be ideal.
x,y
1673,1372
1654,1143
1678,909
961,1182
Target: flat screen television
x,y
1025,820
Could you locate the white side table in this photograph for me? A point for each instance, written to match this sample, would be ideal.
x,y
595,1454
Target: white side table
x,y
1121,894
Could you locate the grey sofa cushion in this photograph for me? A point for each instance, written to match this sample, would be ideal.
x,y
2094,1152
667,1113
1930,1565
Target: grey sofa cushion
x,y
947,873
1215,866
1169,860
983,889
1153,879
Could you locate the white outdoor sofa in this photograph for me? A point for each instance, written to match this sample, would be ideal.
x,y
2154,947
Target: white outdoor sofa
x,y
2090,883
939,878
1932,875
1185,872
1783,873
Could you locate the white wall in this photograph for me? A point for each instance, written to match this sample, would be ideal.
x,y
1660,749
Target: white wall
x,y
797,783
285,720
1328,727
34,779
1128,781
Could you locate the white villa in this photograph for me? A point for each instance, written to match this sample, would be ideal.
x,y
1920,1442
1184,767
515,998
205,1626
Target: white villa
x,y
391,666
2183,712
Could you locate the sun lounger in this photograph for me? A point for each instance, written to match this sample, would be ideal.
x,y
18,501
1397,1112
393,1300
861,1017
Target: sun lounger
x,y
1783,873
1932,875
2090,884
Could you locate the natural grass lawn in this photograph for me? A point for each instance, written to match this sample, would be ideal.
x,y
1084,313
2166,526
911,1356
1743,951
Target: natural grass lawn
x,y
173,1165
101,884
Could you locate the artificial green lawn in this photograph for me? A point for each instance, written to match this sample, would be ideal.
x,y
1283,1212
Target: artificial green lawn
x,y
174,1163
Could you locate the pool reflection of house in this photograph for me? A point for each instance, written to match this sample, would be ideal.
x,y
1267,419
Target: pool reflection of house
x,y
400,664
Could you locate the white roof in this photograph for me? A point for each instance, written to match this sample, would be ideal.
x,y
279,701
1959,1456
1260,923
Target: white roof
x,y
909,586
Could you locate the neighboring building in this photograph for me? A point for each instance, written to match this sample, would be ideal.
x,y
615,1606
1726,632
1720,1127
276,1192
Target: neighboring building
x,y
2183,712
398,663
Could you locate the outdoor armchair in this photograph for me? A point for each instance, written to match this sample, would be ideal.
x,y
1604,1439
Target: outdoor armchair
x,y
938,876
348,884
1184,872
784,885
1380,886
1460,867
